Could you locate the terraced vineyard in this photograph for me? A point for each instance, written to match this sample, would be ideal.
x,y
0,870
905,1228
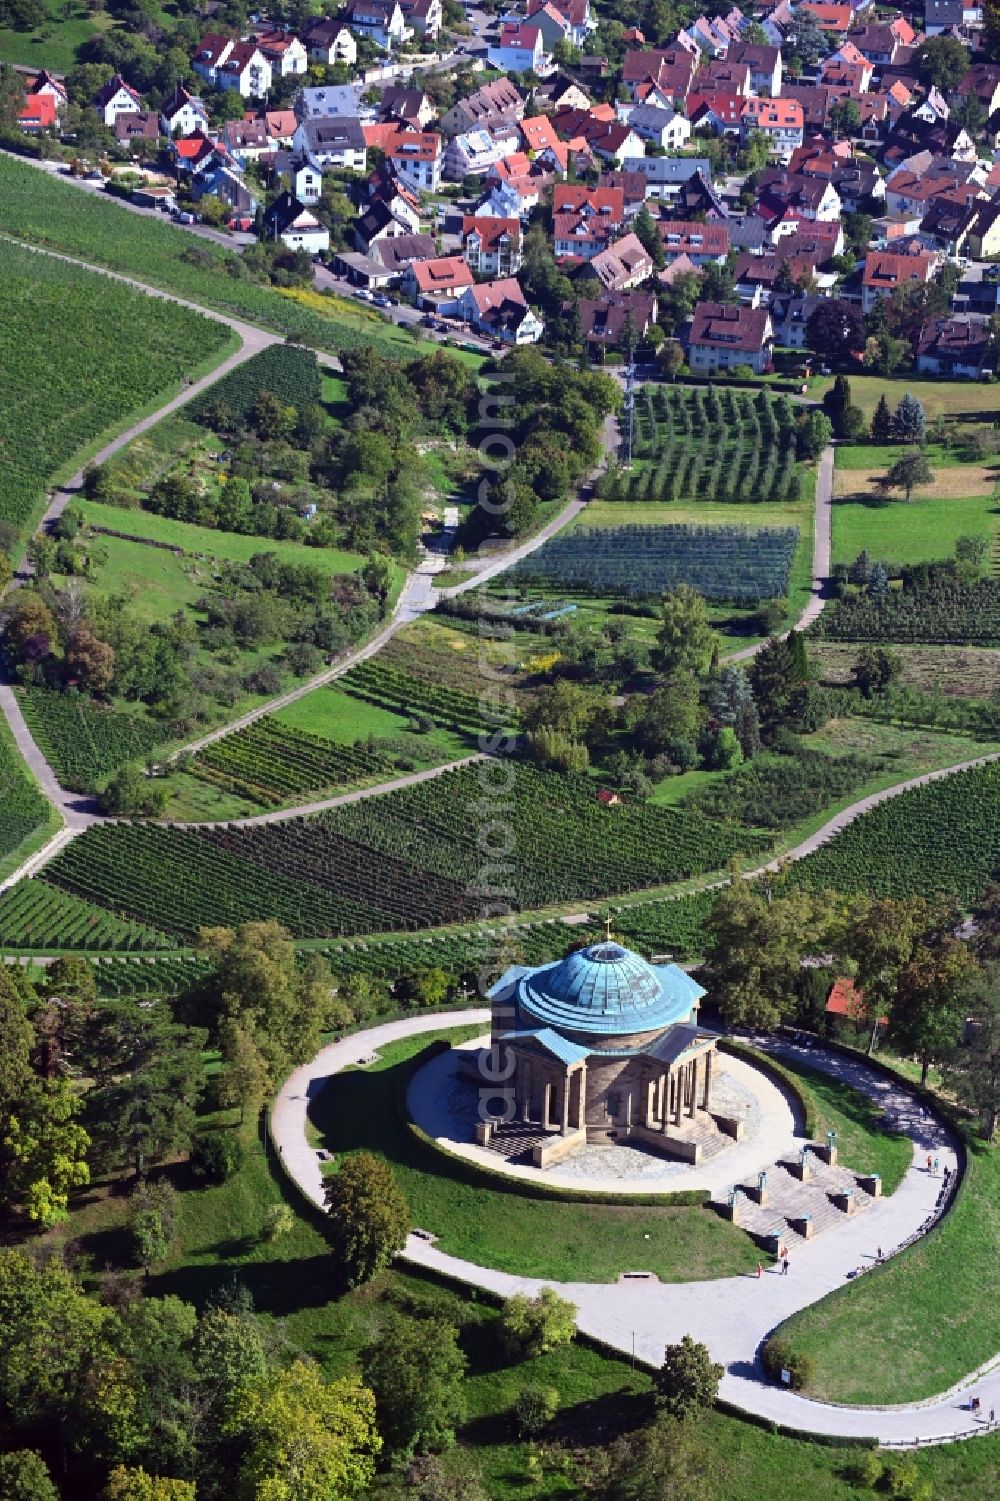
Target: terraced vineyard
x,y
84,743
103,371
272,763
391,688
35,915
170,976
23,809
709,445
732,563
939,839
404,860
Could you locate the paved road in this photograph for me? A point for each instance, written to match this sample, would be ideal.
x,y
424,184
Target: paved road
x,y
822,546
731,1315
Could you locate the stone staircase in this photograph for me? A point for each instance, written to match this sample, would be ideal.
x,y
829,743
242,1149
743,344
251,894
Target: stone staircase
x,y
789,1201
516,1141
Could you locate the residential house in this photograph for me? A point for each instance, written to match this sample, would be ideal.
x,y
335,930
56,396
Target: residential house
x,y
330,99
569,19
984,236
723,337
885,271
625,264
182,113
288,220
45,85
423,17
713,35
283,50
958,346
703,244
608,321
911,192
665,176
780,121
550,22
538,134
131,128
519,50
881,43
396,252
192,154
306,176
380,20
436,283
335,142
764,64
38,113
377,223
815,100
496,103
116,98
665,128
492,247
385,187
330,41
785,197
943,15
415,154
835,19
473,154
671,70
397,102
724,77
498,309
559,92
790,314
221,181
983,80
246,139
585,220
721,114
948,224
209,55
281,125
697,199
246,70
847,69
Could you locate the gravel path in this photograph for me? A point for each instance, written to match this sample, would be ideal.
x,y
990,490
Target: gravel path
x,y
731,1315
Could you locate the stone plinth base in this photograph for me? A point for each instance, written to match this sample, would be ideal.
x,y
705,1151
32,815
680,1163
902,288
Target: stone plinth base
x,y
556,1148
802,1225
484,1133
666,1144
801,1170
871,1183
845,1202
729,1125
825,1153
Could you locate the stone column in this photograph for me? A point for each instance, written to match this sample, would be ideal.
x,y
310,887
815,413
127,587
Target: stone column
x,y
708,1080
527,1081
692,1087
548,1094
566,1086
581,1116
650,1120
678,1095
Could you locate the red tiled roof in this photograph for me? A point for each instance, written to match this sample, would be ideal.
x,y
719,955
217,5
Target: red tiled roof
x,y
725,327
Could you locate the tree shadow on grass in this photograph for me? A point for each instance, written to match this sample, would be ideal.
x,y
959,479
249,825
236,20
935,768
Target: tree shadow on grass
x,y
280,1288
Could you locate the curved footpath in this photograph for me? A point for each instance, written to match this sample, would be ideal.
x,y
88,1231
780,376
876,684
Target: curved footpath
x,y
732,1315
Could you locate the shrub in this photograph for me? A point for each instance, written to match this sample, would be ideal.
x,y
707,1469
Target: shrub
x,y
216,1156
779,1355
534,1410
534,1326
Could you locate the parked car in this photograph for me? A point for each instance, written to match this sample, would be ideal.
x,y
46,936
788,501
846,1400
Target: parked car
x,y
185,218
383,301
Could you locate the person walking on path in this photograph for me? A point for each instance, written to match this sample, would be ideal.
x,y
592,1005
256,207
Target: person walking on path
x,y
784,1267
930,1162
937,1166
760,1270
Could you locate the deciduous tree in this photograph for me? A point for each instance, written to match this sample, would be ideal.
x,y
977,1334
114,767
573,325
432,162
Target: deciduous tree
x,y
415,1368
905,474
972,1070
534,1326
688,1380
929,1006
686,641
368,1216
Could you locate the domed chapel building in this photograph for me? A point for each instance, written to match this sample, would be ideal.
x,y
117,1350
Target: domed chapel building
x,y
602,1046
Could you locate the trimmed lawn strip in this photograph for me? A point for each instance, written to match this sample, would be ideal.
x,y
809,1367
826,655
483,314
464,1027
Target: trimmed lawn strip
x,y
501,1227
929,1316
925,531
948,398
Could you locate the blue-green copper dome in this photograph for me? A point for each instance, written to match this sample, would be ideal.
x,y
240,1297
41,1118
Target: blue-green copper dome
x,y
607,989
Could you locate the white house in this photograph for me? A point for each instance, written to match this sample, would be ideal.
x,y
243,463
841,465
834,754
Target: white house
x,y
290,221
663,127
331,42
331,99
415,154
117,98
382,20
624,265
475,152
519,50
246,71
209,55
436,283
424,17
492,247
283,50
498,309
182,113
334,142
307,179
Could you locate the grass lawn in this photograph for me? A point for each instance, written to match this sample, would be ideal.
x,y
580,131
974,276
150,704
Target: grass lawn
x,y
55,43
567,1241
862,1144
342,718
956,671
195,800
939,397
922,532
204,540
929,1316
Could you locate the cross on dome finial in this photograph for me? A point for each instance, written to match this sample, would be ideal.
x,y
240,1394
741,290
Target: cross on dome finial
x,y
607,927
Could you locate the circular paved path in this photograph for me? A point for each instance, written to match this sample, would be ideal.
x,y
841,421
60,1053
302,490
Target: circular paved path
x,y
731,1315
